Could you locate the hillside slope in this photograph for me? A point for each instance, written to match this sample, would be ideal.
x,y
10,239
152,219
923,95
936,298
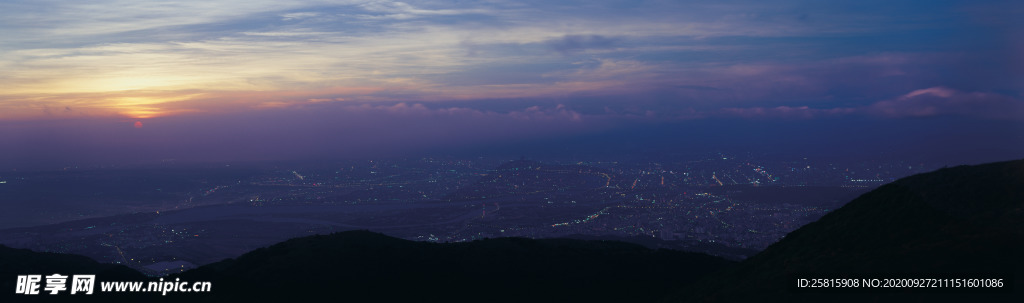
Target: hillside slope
x,y
359,266
15,262
963,221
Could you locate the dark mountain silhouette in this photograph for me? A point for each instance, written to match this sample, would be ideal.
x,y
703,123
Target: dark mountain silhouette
x,y
525,177
360,266
14,262
711,248
961,221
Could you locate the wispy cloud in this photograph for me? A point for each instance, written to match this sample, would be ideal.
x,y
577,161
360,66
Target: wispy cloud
x,y
942,101
151,58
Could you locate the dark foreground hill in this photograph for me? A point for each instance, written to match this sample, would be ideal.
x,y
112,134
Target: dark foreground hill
x,y
361,266
15,262
964,221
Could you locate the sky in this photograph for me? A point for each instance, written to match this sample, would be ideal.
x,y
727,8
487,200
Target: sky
x,y
110,82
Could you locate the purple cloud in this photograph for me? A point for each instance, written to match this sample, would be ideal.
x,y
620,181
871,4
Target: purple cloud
x,y
935,101
570,44
800,112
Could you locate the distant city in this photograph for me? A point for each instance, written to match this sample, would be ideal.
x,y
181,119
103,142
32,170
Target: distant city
x,y
170,218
